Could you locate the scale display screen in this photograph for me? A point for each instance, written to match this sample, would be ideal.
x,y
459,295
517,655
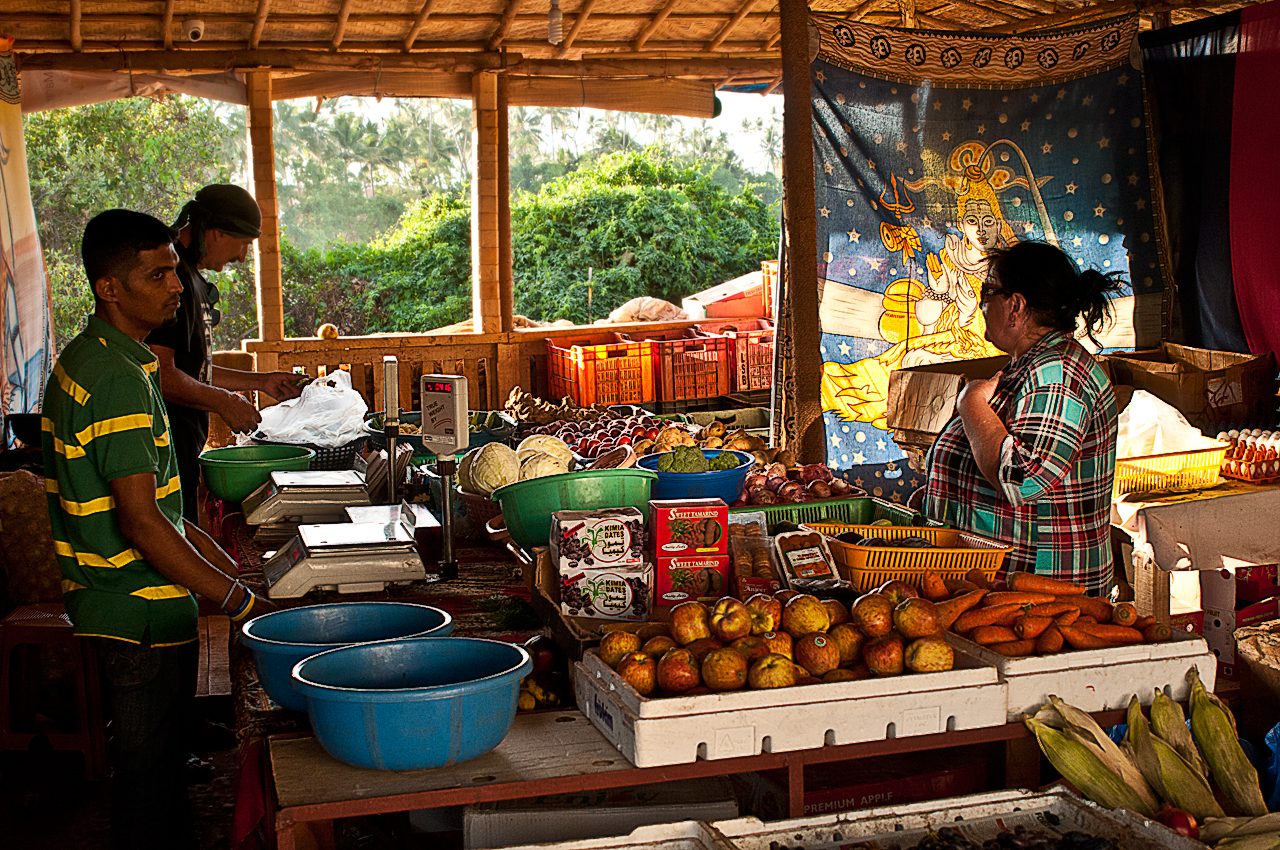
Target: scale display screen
x,y
436,386
444,414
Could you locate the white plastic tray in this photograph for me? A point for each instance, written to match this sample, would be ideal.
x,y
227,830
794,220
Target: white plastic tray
x,y
682,835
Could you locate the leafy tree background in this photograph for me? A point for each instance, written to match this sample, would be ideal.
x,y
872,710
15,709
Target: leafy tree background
x,y
376,214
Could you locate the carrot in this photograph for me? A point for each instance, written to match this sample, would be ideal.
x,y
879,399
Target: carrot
x,y
1032,583
948,610
1081,640
978,577
1094,606
1067,617
1084,618
1014,648
1124,614
1143,622
971,619
987,635
1114,634
932,586
1012,597
956,586
1157,633
1049,642
1000,586
1030,628
1052,609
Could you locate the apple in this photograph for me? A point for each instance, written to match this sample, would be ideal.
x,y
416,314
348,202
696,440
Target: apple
x,y
652,630
840,674
614,645
783,595
779,643
730,620
772,671
836,610
849,640
915,618
817,653
804,614
678,672
884,655
898,590
873,614
929,655
640,671
658,646
702,646
690,621
751,646
724,669
766,613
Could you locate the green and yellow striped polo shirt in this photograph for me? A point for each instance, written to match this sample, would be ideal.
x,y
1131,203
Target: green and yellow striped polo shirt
x,y
104,418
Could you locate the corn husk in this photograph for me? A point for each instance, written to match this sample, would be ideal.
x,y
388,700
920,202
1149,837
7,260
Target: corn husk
x,y
1213,728
1214,830
1169,774
1168,721
1083,728
1250,842
1084,768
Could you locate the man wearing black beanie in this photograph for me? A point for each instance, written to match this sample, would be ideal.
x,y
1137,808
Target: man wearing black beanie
x,y
214,229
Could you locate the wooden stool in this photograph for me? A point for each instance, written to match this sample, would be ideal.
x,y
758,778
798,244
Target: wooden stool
x,y
45,624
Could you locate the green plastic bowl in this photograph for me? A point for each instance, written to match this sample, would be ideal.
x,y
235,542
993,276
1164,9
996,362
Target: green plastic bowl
x,y
234,472
527,506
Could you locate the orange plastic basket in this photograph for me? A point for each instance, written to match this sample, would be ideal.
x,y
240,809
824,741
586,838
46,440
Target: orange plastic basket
x,y
769,291
600,369
1173,471
692,369
868,567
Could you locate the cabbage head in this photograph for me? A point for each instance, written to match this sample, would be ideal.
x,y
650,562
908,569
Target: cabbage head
x,y
535,443
494,466
541,464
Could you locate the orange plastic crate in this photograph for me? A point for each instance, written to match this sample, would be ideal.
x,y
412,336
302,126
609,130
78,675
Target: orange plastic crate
x,y
601,369
868,567
692,369
769,276
753,351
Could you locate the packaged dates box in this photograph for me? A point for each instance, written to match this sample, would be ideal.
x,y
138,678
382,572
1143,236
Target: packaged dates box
x,y
604,538
689,527
694,577
614,594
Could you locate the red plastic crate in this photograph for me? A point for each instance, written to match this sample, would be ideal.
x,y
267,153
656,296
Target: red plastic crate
x,y
692,369
601,369
753,351
769,290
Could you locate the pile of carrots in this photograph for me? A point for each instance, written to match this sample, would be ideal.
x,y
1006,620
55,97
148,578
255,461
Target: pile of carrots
x,y
1029,614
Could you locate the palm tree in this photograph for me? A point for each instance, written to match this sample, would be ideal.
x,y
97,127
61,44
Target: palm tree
x,y
563,124
524,126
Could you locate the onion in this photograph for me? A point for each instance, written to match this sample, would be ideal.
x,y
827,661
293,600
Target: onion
x,y
815,472
763,497
755,479
820,489
788,490
774,483
804,494
840,487
776,470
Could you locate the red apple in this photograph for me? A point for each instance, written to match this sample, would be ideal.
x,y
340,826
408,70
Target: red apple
x,y
772,671
730,620
766,613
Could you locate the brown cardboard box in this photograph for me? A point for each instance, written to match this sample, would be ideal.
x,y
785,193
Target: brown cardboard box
x,y
1213,389
922,400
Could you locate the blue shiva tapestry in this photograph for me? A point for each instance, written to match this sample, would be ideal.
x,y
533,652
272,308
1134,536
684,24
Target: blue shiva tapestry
x,y
933,149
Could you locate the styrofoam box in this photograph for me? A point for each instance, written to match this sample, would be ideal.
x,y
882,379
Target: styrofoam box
x,y
683,729
685,835
1098,679
979,817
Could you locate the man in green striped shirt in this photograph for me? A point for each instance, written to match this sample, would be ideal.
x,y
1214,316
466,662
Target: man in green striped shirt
x,y
129,562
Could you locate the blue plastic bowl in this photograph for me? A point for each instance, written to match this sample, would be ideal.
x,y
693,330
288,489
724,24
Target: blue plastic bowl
x,y
281,639
726,484
411,704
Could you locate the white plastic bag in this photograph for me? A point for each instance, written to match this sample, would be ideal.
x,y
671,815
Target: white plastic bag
x,y
1149,426
328,413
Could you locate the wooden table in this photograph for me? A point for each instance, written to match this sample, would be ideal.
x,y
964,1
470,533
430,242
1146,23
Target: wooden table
x,y
561,752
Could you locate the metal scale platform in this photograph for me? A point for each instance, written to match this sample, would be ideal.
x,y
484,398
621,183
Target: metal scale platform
x,y
305,497
353,557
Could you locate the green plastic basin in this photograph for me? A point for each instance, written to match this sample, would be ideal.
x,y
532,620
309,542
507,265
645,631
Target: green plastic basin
x,y
527,506
234,472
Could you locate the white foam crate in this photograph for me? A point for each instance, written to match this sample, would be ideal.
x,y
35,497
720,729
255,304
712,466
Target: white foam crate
x,y
979,817
1098,679
681,835
683,729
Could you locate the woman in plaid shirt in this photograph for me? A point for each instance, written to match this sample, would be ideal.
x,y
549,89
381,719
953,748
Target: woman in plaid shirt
x,y
1030,458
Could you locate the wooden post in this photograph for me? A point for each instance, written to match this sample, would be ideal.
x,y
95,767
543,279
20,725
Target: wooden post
x,y
262,183
506,277
486,299
802,238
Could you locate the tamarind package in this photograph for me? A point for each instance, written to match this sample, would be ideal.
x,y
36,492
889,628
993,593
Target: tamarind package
x,y
691,577
596,539
688,527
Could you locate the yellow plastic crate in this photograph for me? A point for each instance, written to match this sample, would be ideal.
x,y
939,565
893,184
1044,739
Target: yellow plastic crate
x,y
868,567
1170,472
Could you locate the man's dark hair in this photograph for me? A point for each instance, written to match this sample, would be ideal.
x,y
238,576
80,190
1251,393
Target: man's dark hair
x,y
113,240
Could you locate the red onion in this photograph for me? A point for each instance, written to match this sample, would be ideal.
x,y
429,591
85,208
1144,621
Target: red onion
x,y
763,497
775,483
789,490
755,479
776,470
840,487
820,489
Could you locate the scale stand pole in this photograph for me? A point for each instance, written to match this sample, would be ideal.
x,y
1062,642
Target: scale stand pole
x,y
447,465
391,393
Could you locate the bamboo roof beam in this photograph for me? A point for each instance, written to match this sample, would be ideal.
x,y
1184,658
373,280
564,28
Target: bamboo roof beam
x,y
340,28
294,60
77,44
777,81
504,25
417,25
652,26
1064,18
907,10
730,27
166,24
984,9
584,12
701,68
259,23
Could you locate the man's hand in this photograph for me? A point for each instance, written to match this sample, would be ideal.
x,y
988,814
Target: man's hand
x,y
978,392
283,385
238,413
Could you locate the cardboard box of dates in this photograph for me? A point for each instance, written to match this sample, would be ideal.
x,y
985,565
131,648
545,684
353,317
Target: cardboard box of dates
x,y
780,673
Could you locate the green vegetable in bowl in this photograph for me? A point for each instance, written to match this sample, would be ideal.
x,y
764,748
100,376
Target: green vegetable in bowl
x,y
690,459
724,462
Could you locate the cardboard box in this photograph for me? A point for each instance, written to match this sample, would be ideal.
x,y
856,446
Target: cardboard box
x,y
1254,584
922,400
687,527
890,781
741,298
1220,630
596,814
611,594
1215,390
693,577
607,538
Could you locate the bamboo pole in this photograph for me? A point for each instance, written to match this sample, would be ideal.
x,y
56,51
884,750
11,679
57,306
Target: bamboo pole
x,y
506,274
418,23
730,27
504,25
259,23
802,237
166,24
652,27
583,14
77,43
340,27
486,297
262,183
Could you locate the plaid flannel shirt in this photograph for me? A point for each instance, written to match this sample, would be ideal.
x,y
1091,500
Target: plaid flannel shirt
x,y
1056,467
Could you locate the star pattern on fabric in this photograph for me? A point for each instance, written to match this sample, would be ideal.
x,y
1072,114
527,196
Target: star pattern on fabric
x,y
902,146
857,482
859,457
1122,79
1026,125
1103,142
966,103
946,137
871,163
937,106
827,167
822,78
1077,241
1141,203
880,444
1098,211
844,349
826,213
937,207
1035,98
926,223
854,235
835,440
1062,94
982,129
1071,188
1086,101
1046,147
1133,180
874,263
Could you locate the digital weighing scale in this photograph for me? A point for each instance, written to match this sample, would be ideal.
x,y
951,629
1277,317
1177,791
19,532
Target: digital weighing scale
x,y
305,497
445,431
354,557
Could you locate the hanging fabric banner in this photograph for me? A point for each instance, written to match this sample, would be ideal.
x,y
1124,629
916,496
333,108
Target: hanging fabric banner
x,y
28,332
933,149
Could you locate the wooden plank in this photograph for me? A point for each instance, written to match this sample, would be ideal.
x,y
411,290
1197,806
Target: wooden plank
x,y
202,663
693,98
166,24
506,275
368,83
219,637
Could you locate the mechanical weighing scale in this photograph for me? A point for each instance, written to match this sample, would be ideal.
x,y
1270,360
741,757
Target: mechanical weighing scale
x,y
354,557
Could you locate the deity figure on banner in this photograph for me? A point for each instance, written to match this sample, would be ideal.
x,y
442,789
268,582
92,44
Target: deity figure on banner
x,y
934,321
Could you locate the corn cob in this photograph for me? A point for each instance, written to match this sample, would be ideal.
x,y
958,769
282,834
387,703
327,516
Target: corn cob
x,y
1168,721
1083,768
1214,830
1169,774
1213,728
1080,726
